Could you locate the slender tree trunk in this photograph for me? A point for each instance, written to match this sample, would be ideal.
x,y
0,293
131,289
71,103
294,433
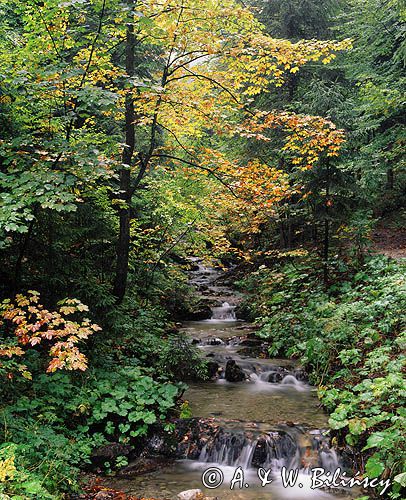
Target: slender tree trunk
x,y
282,234
293,81
326,250
326,242
314,232
390,179
289,231
127,184
123,245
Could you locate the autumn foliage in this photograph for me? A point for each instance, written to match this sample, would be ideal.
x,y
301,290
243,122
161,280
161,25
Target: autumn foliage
x,y
26,324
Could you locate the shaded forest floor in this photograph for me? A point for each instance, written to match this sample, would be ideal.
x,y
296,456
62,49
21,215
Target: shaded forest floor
x,y
389,236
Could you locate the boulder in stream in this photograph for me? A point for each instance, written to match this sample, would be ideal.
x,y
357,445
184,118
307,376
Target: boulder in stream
x,y
194,495
105,495
276,376
191,495
301,375
192,435
159,444
233,372
213,341
212,369
142,465
251,342
200,313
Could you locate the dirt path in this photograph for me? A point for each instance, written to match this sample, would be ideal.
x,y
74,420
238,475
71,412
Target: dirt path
x,y
389,237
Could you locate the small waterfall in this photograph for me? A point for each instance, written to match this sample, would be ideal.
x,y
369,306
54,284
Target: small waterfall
x,y
292,381
229,449
294,449
238,449
202,275
226,312
329,459
276,381
212,341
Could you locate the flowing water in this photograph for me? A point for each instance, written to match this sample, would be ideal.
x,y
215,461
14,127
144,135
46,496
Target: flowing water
x,y
270,420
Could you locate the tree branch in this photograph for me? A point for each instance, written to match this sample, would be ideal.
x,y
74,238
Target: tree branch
x,y
178,141
205,77
196,165
183,65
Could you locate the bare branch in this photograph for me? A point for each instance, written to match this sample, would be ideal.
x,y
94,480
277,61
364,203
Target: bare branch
x,y
196,165
178,141
183,65
205,77
186,54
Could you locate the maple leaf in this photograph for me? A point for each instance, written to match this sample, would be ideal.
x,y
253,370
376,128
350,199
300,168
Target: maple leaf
x,y
65,353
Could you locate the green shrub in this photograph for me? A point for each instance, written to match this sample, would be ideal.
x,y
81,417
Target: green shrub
x,y
179,359
55,425
143,339
18,480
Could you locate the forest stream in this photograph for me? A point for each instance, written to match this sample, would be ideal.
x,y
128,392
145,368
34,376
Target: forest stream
x,y
268,415
202,250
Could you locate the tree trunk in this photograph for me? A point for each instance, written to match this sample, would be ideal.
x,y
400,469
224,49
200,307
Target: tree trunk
x,y
390,179
123,246
326,250
326,242
289,231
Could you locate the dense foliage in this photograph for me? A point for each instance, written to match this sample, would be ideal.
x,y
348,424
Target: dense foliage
x,y
351,338
49,432
136,134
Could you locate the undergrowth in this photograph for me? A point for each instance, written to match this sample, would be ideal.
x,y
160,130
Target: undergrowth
x,y
351,339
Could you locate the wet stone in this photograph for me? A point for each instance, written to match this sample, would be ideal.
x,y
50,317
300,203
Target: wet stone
x,y
110,452
301,375
251,342
214,341
142,466
277,376
233,372
104,495
213,369
191,495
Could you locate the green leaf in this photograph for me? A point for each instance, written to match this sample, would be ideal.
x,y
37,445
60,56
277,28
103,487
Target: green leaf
x,y
124,428
374,466
351,440
401,479
374,440
337,424
357,426
135,416
149,418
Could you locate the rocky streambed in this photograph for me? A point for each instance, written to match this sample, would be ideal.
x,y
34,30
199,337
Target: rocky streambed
x,y
255,414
